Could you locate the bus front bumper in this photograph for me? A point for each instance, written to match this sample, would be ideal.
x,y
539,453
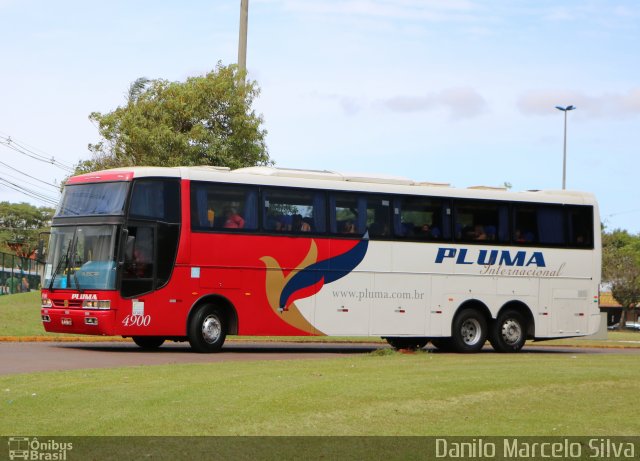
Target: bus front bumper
x,y
78,321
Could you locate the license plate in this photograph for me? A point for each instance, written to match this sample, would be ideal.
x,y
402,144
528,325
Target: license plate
x,y
66,322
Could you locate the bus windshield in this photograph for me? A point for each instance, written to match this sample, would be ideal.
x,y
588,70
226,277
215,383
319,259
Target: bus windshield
x,y
82,258
93,199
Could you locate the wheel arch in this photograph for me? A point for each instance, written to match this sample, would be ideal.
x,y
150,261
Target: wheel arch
x,y
474,304
222,303
525,311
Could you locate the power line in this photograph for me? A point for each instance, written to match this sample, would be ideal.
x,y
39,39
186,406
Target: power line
x,y
22,149
28,176
28,192
31,149
24,181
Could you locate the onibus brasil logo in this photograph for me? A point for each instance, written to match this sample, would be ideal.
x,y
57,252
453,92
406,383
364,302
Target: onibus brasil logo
x,y
34,449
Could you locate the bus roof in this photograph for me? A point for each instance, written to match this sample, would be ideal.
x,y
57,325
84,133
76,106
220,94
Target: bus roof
x,y
325,179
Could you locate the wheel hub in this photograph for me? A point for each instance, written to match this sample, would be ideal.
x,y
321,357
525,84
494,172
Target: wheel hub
x,y
211,329
511,332
471,331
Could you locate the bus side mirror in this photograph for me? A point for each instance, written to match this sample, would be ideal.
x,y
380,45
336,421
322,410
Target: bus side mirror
x,y
41,255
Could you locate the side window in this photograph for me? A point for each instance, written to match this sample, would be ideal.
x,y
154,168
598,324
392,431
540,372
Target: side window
x,y
156,199
580,223
223,207
420,218
347,214
538,224
351,214
294,211
379,216
478,221
525,224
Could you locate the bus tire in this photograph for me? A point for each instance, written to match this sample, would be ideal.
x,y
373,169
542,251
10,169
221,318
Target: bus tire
x,y
407,343
148,342
207,329
509,332
469,331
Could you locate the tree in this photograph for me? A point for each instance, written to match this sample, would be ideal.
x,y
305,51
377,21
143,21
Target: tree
x,y
20,226
205,120
621,269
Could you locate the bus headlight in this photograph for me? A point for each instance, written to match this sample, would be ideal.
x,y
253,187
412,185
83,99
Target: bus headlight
x,y
46,302
88,304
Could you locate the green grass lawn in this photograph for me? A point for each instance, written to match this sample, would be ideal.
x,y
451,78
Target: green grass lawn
x,y
383,393
20,315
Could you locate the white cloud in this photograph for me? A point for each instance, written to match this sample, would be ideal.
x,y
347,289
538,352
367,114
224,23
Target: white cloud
x,y
461,102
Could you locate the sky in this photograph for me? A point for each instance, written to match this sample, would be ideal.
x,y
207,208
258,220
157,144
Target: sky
x,y
455,91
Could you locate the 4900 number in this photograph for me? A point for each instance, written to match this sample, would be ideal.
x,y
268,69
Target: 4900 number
x,y
137,321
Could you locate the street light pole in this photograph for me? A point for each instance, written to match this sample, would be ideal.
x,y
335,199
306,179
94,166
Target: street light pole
x,y
564,155
242,41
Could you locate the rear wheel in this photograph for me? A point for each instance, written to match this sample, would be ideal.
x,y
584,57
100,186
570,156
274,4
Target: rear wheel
x,y
508,332
148,342
469,331
407,343
207,329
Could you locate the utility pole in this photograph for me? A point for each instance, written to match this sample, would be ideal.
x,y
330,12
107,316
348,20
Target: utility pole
x,y
242,42
564,154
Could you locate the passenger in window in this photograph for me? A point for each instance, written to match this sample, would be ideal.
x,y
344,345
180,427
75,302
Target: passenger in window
x,y
425,231
300,225
211,215
233,219
349,227
518,236
479,233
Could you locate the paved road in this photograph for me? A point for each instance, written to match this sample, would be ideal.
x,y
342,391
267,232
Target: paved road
x,y
27,357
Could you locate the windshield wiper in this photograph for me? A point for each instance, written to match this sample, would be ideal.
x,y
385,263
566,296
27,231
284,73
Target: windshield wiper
x,y
63,258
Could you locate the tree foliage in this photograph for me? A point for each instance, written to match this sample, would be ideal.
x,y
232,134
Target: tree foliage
x,y
20,224
621,268
205,120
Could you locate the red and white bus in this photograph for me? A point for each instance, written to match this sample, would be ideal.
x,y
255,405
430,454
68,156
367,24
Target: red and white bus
x,y
198,253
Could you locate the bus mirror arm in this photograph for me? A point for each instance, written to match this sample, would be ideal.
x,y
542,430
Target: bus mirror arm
x,y
40,254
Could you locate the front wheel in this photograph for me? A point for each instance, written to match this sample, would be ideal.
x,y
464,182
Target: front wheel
x,y
469,331
207,329
508,332
148,342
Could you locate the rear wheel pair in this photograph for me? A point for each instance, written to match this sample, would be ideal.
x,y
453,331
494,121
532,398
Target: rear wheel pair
x,y
470,331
